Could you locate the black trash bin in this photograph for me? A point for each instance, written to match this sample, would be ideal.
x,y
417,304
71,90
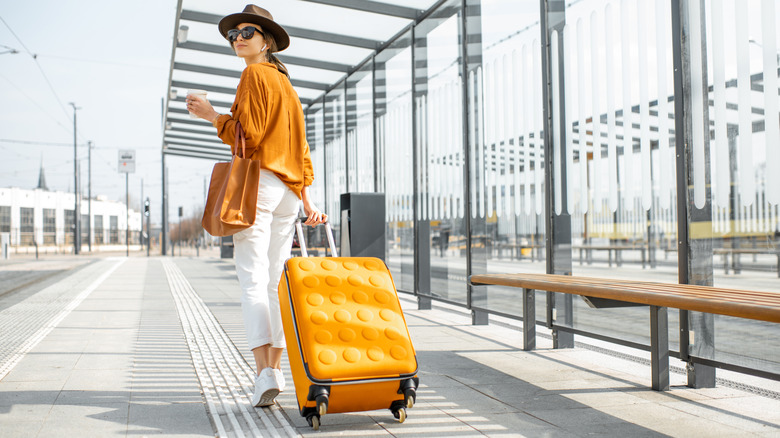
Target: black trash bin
x,y
363,225
226,247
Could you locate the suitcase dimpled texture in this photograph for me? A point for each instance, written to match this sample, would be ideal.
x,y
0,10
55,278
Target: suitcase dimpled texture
x,y
347,339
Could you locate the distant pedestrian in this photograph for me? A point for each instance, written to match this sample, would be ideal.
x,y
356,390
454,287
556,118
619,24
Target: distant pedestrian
x,y
271,115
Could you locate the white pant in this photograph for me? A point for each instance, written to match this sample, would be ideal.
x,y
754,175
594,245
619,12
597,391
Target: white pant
x,y
260,252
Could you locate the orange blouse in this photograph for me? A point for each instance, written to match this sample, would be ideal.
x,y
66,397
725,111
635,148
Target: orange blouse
x,y
270,113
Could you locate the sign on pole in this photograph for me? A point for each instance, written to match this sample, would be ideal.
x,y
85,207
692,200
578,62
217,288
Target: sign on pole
x,y
127,161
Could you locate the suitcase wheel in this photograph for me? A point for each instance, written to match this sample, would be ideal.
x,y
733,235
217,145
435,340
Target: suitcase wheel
x,y
400,414
314,421
409,398
322,404
399,410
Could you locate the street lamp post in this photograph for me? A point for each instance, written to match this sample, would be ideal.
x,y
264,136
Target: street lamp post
x,y
89,195
76,212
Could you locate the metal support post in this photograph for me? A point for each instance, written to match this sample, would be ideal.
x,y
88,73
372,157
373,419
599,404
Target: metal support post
x,y
76,212
127,214
89,195
659,347
148,229
529,319
694,223
471,113
164,210
558,224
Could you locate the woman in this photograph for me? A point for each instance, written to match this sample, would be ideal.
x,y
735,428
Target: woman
x,y
270,113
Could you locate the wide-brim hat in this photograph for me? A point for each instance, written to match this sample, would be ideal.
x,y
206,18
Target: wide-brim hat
x,y
257,15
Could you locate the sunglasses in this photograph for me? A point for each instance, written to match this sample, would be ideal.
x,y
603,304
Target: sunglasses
x,y
246,33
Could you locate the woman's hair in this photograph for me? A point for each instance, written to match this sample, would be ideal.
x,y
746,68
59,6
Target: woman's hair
x,y
272,47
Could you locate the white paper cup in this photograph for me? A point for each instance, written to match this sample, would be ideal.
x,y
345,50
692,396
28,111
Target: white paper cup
x,y
201,93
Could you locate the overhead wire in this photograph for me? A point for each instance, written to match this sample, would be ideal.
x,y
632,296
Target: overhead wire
x,y
35,58
35,103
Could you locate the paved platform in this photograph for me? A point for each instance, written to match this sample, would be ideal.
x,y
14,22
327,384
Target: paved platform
x,y
116,346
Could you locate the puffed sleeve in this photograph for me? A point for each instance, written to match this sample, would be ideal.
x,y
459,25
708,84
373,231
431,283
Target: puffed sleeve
x,y
250,108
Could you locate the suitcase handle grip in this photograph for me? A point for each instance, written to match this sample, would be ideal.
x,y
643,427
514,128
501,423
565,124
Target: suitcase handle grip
x,y
302,241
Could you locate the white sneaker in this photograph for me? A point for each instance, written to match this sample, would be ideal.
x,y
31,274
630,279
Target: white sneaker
x,y
279,379
266,388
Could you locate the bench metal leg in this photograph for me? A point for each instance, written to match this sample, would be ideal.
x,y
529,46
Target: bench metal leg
x,y
423,302
659,347
529,319
479,317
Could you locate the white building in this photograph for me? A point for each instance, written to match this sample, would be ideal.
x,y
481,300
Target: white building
x,y
45,218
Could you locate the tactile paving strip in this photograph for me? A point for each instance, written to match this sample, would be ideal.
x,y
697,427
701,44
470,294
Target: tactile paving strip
x,y
25,324
226,380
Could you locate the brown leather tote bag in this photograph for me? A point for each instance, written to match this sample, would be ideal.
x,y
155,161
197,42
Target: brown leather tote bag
x,y
231,205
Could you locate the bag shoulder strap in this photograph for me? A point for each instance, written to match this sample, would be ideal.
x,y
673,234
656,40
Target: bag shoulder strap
x,y
240,137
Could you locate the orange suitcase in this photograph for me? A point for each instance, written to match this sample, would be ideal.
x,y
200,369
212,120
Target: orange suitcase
x,y
347,339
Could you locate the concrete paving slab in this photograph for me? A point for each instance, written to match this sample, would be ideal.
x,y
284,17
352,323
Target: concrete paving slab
x,y
84,420
170,419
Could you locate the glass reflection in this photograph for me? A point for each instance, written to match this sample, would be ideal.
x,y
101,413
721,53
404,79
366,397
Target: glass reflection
x,y
395,164
440,160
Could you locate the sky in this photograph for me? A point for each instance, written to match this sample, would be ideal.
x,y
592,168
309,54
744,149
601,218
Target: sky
x,y
111,59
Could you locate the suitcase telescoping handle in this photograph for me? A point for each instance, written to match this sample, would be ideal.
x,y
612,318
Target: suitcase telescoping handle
x,y
302,241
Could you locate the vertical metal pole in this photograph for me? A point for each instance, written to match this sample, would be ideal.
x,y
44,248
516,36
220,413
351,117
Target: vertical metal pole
x,y
694,250
127,214
373,129
422,259
141,214
89,195
164,218
148,232
558,226
471,31
75,186
344,136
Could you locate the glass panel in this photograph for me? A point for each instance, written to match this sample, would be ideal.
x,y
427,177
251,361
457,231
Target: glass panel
x,y
314,134
741,47
618,155
335,155
440,152
395,151
360,130
506,173
316,239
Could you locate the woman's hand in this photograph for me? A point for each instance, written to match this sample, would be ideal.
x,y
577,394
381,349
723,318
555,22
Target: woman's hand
x,y
313,214
201,107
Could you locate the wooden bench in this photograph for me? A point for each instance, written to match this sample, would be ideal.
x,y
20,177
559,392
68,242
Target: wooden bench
x,y
516,250
762,306
588,249
736,266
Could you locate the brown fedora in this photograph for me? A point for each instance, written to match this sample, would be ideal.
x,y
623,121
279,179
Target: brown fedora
x,y
257,15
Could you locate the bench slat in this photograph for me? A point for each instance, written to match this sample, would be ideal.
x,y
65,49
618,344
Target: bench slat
x,y
762,306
